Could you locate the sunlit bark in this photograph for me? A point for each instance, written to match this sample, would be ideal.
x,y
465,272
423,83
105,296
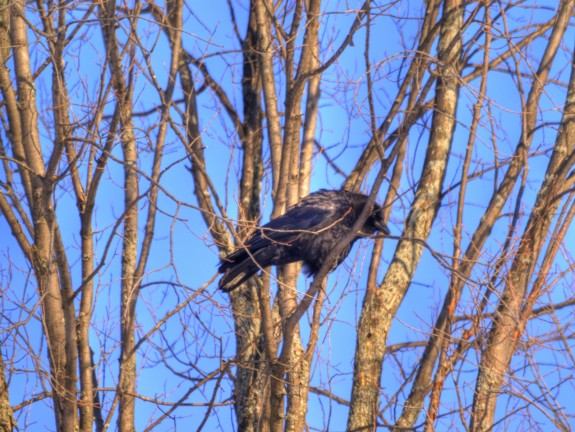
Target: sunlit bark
x,y
142,142
381,304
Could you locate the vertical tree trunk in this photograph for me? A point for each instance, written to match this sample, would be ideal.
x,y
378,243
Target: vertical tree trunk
x,y
380,305
7,422
442,330
514,308
129,285
250,382
59,324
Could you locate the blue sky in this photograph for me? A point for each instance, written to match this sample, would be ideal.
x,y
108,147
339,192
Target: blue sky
x,y
183,252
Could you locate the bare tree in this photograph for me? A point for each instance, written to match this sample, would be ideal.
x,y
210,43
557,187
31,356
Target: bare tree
x,y
143,141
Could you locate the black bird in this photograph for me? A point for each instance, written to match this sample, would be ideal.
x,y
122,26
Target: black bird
x,y
307,232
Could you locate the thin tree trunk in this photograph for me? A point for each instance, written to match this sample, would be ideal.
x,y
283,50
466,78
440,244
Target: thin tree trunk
x,y
266,50
7,422
129,285
514,308
411,82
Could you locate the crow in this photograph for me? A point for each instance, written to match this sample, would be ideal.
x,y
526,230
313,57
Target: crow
x,y
307,231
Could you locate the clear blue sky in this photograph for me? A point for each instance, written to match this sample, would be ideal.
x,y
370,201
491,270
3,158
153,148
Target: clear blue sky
x,y
343,129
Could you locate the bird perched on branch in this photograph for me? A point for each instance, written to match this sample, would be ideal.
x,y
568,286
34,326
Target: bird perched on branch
x,y
307,232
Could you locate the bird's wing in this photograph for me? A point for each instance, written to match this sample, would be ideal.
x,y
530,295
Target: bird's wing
x,y
297,220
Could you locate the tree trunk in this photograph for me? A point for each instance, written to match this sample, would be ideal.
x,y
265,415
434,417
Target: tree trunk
x,y
129,285
7,422
380,305
514,308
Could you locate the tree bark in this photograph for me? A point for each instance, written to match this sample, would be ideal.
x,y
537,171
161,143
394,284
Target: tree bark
x,y
514,308
129,283
380,305
7,422
59,324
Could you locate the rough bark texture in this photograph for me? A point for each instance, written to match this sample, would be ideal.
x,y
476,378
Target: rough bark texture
x,y
106,110
440,337
7,422
129,284
56,302
250,382
380,305
514,307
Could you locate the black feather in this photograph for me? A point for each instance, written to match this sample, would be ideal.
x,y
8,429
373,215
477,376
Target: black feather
x,y
307,232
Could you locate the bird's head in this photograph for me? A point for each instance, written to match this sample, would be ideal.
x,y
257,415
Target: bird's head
x,y
377,218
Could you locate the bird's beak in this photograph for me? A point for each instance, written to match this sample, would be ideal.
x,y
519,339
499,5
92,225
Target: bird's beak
x,y
381,227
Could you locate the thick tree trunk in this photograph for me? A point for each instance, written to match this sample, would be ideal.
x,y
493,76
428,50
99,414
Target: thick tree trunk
x,y
380,305
57,306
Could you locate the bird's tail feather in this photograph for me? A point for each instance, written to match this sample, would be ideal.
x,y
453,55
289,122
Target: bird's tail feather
x,y
238,273
232,279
